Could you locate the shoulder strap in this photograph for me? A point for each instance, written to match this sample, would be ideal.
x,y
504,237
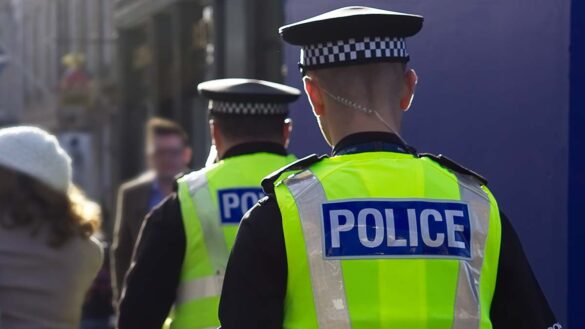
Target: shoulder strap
x,y
176,180
448,163
301,164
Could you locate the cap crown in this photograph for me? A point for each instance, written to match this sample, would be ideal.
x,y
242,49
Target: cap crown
x,y
248,90
351,22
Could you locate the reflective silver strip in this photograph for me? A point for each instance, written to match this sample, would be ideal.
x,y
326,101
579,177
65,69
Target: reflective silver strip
x,y
467,301
209,286
326,275
209,217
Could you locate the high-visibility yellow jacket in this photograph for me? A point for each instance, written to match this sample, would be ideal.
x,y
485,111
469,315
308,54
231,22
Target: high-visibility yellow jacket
x,y
212,202
388,240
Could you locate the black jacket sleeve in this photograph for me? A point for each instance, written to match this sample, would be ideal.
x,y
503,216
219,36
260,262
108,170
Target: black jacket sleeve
x,y
121,253
518,300
151,284
255,281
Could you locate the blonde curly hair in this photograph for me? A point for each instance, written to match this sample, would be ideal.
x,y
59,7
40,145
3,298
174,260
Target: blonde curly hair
x,y
28,203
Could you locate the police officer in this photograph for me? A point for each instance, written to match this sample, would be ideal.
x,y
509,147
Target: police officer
x,y
184,245
376,236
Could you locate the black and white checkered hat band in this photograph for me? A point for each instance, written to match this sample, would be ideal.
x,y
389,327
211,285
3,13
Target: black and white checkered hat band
x,y
354,50
247,108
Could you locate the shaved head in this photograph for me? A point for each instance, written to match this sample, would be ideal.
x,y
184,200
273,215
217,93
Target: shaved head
x,y
363,82
341,96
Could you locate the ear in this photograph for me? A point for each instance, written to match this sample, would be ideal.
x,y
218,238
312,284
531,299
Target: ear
x,y
410,81
286,131
315,96
187,155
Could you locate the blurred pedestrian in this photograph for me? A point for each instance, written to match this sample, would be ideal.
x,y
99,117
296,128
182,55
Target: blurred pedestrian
x,y
184,245
167,154
98,311
48,257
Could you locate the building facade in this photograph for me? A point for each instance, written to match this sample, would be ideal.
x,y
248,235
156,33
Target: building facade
x,y
11,78
167,47
37,37
60,75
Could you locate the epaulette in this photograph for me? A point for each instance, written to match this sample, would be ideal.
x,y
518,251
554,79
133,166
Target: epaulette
x,y
176,180
301,164
446,162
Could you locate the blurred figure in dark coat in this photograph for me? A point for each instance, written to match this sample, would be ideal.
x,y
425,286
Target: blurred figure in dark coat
x,y
167,155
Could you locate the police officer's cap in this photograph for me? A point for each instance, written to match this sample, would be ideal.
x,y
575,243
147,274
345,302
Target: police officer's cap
x,y
248,96
352,35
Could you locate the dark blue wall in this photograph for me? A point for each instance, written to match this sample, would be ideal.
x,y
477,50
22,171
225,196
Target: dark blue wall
x,y
494,95
577,168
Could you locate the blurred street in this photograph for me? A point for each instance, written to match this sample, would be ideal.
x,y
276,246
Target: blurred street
x,y
500,90
93,72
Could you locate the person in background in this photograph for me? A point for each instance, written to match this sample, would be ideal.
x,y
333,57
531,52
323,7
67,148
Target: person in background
x,y
185,241
167,155
98,311
48,256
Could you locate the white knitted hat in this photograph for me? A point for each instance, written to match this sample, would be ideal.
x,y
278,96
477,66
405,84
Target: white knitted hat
x,y
36,153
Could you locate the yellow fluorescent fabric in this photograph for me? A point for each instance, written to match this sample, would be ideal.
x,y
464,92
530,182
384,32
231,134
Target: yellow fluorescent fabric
x,y
490,264
242,171
208,241
390,292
